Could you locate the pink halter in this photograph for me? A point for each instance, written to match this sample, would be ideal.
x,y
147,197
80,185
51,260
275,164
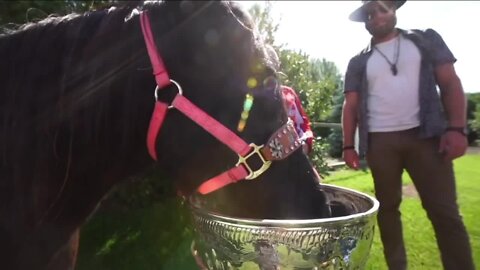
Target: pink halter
x,y
281,144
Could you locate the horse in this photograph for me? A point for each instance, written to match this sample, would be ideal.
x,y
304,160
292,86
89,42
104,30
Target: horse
x,y
76,103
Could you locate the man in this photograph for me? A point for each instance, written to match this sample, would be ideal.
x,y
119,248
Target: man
x,y
404,123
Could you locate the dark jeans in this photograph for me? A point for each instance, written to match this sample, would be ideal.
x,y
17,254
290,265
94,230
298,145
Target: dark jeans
x,y
389,153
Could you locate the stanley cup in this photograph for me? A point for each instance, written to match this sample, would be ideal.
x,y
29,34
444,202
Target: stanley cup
x,y
223,242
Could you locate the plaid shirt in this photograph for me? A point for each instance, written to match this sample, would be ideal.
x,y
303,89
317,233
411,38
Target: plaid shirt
x,y
297,114
434,52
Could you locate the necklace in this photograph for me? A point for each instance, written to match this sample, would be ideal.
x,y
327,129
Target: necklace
x,y
393,66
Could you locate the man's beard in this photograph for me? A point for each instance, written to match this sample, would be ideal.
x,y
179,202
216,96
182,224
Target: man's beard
x,y
384,30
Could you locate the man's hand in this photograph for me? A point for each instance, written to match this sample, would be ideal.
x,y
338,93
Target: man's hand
x,y
453,145
350,157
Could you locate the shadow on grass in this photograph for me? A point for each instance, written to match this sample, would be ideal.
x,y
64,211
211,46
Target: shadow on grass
x,y
154,237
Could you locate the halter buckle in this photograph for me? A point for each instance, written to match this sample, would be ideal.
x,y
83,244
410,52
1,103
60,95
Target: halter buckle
x,y
252,174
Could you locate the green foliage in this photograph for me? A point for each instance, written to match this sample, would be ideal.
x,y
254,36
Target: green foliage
x,y
475,123
314,80
473,116
265,25
154,237
318,157
141,192
335,143
335,138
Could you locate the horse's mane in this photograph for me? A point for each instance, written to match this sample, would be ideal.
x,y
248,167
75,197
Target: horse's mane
x,y
52,49
53,103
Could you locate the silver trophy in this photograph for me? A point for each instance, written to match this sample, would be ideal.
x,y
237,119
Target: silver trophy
x,y
223,242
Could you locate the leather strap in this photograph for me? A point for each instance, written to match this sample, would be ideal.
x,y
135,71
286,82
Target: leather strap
x,y
282,143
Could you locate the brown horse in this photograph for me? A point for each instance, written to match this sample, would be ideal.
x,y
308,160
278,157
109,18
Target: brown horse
x,y
76,98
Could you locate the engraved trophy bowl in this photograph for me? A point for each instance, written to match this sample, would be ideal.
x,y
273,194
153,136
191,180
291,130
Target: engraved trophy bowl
x,y
225,242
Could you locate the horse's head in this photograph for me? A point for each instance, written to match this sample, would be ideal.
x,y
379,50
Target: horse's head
x,y
212,51
76,96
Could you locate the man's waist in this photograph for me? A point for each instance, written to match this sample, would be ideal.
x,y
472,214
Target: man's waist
x,y
410,129
392,128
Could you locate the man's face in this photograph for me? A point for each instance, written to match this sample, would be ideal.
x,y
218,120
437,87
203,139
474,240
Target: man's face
x,y
380,18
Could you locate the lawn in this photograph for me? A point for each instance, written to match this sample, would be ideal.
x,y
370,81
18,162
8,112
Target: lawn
x,y
158,237
421,247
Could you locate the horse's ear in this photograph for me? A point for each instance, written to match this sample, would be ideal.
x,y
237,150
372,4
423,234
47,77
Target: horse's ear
x,y
242,13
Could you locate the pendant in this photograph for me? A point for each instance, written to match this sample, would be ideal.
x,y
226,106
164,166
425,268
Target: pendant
x,y
394,70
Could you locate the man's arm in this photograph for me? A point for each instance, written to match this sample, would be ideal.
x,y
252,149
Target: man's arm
x,y
453,144
349,125
452,94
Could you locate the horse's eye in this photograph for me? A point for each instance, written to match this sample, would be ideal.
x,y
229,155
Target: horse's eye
x,y
270,83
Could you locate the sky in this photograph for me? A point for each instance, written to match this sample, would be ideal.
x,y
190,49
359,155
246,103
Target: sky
x,y
322,29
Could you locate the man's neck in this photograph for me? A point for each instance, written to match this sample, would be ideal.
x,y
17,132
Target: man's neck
x,y
387,37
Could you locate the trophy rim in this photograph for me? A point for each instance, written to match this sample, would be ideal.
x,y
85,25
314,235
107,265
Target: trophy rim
x,y
306,224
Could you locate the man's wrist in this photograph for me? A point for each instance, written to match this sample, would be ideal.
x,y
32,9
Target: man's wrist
x,y
348,147
461,130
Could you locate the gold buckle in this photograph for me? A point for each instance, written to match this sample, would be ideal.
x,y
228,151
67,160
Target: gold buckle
x,y
243,160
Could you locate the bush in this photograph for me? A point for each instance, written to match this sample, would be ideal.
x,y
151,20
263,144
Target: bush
x,y
141,192
335,143
319,156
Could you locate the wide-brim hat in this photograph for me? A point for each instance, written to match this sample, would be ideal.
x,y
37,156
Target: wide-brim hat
x,y
359,14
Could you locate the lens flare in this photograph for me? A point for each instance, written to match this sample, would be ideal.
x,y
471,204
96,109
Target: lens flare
x,y
247,106
252,83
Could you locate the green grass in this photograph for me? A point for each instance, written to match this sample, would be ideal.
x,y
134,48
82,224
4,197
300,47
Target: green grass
x,y
420,241
158,237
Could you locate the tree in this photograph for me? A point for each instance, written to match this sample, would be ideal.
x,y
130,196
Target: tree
x,y
335,139
475,123
473,116
315,80
264,22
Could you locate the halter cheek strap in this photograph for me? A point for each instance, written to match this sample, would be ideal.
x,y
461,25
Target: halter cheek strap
x,y
284,142
162,79
156,123
159,70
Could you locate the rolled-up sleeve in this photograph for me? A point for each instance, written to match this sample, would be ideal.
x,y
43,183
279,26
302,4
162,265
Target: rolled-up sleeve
x,y
440,52
352,76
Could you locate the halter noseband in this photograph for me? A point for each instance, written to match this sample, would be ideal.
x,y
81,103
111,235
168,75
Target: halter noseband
x,y
280,145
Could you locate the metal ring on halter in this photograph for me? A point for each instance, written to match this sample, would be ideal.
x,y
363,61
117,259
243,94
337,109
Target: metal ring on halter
x,y
179,88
